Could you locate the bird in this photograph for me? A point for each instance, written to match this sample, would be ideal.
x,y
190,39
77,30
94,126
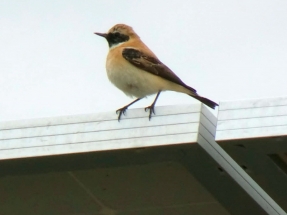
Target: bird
x,y
133,68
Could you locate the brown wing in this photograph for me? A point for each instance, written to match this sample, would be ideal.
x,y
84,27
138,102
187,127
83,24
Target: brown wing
x,y
152,65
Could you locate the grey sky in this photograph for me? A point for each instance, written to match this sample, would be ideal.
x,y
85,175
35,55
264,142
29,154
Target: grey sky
x,y
52,64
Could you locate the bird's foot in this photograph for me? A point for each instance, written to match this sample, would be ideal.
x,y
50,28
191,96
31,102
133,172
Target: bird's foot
x,y
151,110
121,112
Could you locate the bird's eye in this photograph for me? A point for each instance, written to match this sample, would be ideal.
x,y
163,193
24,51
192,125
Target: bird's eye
x,y
117,34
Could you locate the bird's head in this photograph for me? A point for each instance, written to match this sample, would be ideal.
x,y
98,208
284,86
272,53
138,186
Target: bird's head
x,y
118,34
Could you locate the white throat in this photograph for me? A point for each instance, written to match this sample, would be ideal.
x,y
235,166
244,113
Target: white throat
x,y
116,45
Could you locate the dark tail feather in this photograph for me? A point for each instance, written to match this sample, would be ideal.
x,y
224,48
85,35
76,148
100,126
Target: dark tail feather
x,y
206,101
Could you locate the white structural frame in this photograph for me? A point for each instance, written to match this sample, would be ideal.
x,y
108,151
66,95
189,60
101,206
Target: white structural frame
x,y
101,132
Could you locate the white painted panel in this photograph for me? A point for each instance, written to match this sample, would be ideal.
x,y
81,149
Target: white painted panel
x,y
98,126
104,135
131,113
269,131
252,118
253,103
252,113
210,116
205,122
99,146
97,132
251,123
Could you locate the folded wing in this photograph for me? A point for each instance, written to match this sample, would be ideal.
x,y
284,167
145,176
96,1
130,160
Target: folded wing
x,y
152,65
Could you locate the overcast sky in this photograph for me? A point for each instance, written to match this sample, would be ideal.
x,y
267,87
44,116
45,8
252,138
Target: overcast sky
x,y
52,64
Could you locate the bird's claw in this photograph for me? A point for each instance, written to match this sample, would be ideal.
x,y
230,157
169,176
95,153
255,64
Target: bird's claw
x,y
151,110
121,112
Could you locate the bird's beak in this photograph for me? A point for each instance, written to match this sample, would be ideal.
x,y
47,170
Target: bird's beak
x,y
102,34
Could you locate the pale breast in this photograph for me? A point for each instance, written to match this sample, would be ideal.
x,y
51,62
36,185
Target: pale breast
x,y
134,81
128,78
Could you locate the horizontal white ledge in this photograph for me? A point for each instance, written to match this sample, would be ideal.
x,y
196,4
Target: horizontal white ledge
x,y
252,103
105,135
272,131
102,131
251,123
100,117
45,150
252,113
252,119
99,126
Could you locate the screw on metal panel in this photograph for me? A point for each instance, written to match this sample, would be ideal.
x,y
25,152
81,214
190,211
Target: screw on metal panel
x,y
240,145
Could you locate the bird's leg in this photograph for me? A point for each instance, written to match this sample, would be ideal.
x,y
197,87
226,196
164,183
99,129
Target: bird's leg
x,y
123,109
151,107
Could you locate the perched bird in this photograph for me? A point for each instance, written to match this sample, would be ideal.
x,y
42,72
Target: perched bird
x,y
133,68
